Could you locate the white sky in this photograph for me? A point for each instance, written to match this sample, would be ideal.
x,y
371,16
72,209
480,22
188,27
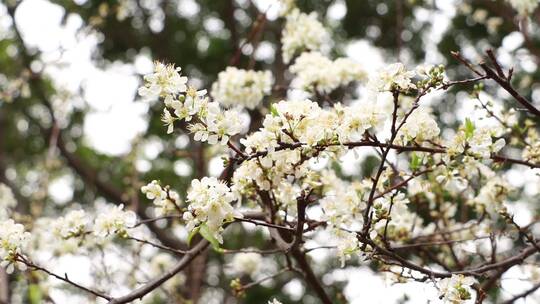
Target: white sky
x,y
116,117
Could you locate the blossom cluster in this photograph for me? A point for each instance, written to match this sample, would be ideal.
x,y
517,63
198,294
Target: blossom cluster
x,y
308,130
210,204
393,218
524,7
75,223
491,196
532,149
456,289
302,32
243,88
394,76
114,221
13,240
212,124
273,167
165,81
420,126
315,72
164,199
478,141
247,263
433,190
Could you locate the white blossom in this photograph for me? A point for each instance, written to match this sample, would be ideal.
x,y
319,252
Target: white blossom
x,y
390,77
244,88
209,203
165,199
286,6
216,125
347,244
164,81
532,151
456,289
315,72
114,221
13,240
492,195
302,32
393,208
478,140
75,223
420,126
524,7
357,119
342,206
247,263
168,120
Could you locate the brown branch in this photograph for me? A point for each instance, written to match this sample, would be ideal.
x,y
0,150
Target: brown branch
x,y
499,77
140,292
436,243
508,88
310,276
398,148
405,181
261,223
166,248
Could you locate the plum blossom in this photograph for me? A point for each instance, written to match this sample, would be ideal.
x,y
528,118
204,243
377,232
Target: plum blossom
x,y
244,88
524,7
456,289
13,240
315,72
478,141
347,244
114,221
532,150
164,81
165,200
390,77
420,126
247,263
302,32
210,203
74,223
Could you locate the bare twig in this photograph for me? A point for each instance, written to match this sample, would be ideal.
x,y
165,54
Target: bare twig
x,y
64,278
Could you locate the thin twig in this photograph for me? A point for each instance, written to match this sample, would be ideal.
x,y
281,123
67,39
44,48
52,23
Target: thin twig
x,y
64,278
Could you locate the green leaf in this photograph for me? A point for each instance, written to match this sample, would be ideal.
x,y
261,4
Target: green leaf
x,y
209,236
34,294
415,162
469,128
192,234
274,111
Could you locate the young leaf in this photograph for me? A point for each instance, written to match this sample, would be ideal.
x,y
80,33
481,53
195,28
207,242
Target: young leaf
x,y
192,234
469,128
274,111
207,234
415,162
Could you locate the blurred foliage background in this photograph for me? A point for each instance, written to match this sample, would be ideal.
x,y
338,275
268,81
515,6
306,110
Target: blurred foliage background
x,y
203,37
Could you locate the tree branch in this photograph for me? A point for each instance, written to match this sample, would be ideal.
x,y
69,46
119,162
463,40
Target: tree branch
x,y
140,292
